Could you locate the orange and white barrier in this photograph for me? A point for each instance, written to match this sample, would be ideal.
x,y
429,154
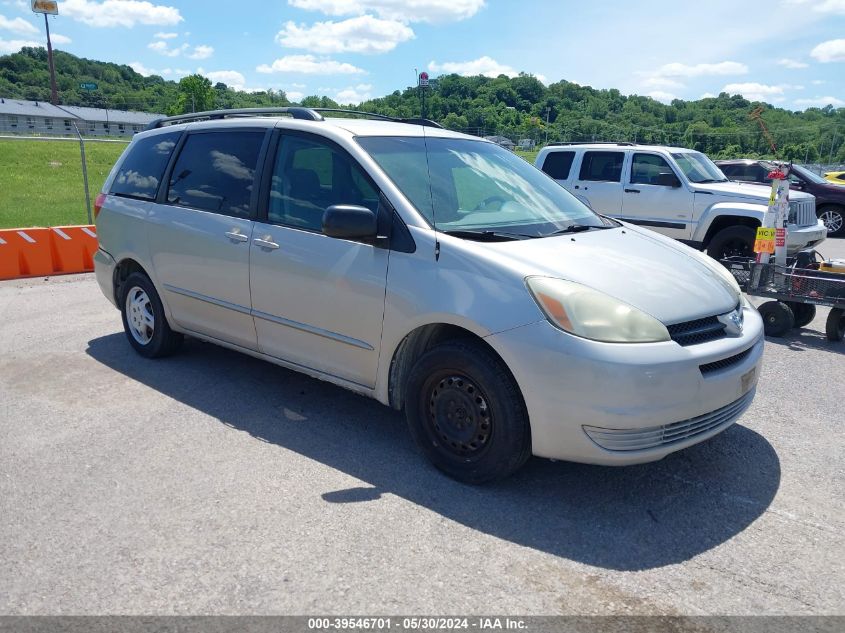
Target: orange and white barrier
x,y
39,252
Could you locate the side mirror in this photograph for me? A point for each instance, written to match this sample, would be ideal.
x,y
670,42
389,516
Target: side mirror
x,y
351,222
667,180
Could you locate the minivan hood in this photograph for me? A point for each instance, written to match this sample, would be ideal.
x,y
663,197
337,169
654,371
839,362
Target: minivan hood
x,y
661,277
748,191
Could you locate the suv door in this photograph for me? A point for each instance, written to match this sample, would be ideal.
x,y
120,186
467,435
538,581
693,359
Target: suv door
x,y
599,179
199,233
317,301
652,199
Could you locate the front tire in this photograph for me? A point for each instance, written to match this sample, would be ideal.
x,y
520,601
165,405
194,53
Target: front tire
x,y
778,318
834,220
733,241
144,321
466,413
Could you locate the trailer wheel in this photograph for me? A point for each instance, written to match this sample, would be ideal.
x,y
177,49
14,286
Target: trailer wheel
x,y
804,313
835,328
778,318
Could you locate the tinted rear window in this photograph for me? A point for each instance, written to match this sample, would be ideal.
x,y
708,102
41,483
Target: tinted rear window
x,y
141,172
215,171
557,164
602,166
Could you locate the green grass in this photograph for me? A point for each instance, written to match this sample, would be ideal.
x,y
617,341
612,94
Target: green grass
x,y
529,156
41,181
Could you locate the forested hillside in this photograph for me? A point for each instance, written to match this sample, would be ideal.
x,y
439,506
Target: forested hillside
x,y
519,107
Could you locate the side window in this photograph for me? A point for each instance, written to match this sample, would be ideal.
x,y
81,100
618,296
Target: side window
x,y
215,172
602,166
840,177
645,169
141,171
557,164
309,176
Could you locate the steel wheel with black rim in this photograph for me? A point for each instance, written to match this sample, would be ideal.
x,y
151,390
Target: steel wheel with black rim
x,y
143,318
466,413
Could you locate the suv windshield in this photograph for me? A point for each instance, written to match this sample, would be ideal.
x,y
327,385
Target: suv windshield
x,y
471,186
808,175
698,168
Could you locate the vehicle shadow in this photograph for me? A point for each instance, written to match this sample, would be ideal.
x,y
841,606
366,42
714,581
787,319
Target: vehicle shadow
x,y
633,518
808,338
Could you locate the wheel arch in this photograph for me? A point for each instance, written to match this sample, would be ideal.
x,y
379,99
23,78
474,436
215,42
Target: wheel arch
x,y
725,221
122,270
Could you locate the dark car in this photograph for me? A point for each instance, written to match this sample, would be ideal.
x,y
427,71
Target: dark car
x,y
830,198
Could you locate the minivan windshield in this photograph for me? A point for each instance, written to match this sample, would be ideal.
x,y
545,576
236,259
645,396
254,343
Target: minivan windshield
x,y
698,168
474,187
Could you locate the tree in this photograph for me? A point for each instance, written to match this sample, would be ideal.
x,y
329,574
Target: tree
x,y
195,95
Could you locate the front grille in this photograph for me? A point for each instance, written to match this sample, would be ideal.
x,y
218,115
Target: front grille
x,y
655,436
724,363
697,331
802,212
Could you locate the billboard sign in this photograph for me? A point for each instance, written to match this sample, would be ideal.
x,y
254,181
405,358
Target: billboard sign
x,y
423,79
50,7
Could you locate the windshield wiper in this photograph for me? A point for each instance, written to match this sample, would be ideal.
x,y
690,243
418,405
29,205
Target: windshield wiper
x,y
707,180
576,228
487,235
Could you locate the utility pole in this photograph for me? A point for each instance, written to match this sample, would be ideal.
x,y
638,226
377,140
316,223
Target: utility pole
x,y
54,93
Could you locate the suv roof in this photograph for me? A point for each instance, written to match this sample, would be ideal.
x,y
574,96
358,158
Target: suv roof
x,y
620,144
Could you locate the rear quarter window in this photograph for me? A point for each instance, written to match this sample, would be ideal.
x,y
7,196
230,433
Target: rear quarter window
x,y
141,171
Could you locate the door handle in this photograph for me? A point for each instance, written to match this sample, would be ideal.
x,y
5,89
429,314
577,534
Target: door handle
x,y
267,242
235,236
632,191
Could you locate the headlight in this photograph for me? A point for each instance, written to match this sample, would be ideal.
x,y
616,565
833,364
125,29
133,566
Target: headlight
x,y
590,314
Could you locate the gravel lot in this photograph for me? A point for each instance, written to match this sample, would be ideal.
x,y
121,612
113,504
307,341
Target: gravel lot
x,y
215,483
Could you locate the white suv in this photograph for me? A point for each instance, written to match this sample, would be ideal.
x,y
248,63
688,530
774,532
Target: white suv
x,y
677,192
433,271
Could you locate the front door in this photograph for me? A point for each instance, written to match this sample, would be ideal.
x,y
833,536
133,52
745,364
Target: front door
x,y
318,301
654,197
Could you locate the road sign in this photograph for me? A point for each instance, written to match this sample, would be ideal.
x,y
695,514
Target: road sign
x,y
423,79
45,6
88,86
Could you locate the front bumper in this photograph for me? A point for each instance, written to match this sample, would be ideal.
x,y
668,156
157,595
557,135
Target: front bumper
x,y
618,404
800,237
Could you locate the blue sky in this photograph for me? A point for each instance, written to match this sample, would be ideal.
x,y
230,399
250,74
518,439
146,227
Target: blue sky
x,y
787,52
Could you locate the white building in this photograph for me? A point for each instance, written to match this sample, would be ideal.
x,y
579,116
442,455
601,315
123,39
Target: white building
x,y
39,117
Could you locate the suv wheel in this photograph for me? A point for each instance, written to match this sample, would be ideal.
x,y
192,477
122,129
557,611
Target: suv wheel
x,y
466,413
733,241
834,219
144,322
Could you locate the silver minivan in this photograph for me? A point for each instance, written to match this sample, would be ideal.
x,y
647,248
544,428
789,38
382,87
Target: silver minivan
x,y
433,271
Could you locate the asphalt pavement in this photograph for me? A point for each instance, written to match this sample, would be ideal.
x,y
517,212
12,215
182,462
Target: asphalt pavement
x,y
215,483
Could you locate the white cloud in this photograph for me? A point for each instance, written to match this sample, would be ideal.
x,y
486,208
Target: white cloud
x,y
404,10
18,25
161,47
707,95
165,36
700,70
820,102
58,38
660,95
818,82
13,46
792,64
294,95
759,92
830,51
309,64
661,82
363,34
823,6
202,52
120,12
482,66
354,94
231,78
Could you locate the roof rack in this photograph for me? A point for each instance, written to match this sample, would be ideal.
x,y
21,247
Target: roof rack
x,y
297,112
625,143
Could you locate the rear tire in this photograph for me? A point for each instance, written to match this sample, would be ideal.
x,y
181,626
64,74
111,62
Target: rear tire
x,y
144,321
835,327
777,318
804,313
466,413
733,241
